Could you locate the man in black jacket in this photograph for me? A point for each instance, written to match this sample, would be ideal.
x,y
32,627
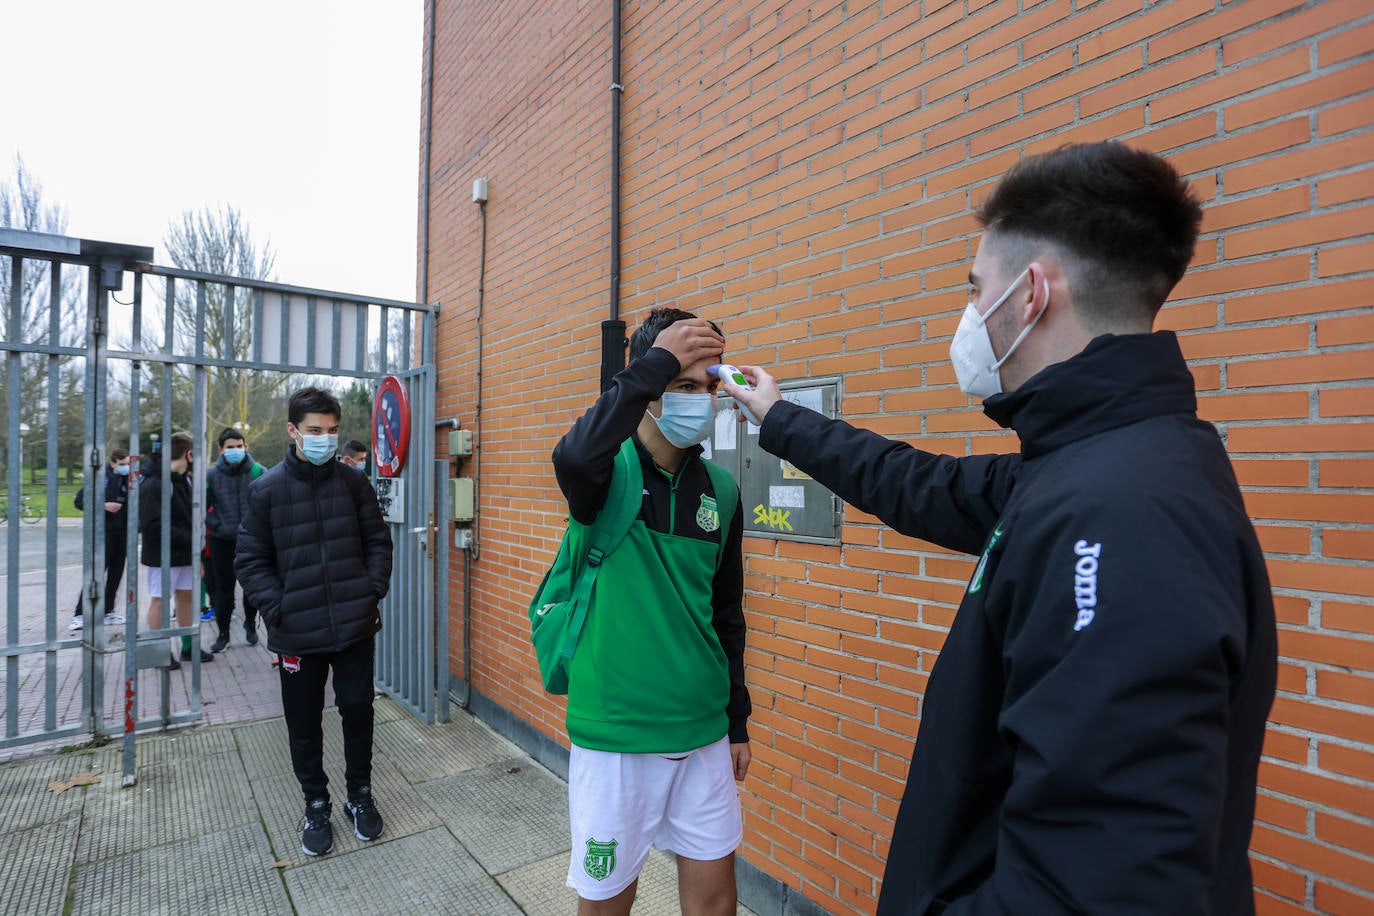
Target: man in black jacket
x,y
314,555
179,546
116,504
226,500
1091,733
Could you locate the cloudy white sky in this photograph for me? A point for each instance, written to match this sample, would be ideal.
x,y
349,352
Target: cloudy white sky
x,y
303,114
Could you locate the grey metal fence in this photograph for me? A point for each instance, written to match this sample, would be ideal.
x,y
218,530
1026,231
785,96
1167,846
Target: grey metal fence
x,y
174,332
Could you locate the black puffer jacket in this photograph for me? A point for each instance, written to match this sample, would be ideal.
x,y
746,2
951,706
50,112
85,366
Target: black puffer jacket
x,y
314,555
150,518
226,490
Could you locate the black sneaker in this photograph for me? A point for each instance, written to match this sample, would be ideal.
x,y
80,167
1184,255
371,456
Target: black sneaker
x,y
362,810
172,663
317,837
250,633
204,656
221,643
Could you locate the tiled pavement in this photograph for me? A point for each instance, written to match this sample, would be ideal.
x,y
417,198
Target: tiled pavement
x,y
473,826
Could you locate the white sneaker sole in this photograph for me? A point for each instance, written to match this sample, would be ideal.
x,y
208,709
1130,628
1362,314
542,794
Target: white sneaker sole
x,y
309,853
356,832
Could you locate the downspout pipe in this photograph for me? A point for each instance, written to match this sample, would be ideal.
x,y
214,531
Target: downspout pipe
x,y
613,328
425,154
427,171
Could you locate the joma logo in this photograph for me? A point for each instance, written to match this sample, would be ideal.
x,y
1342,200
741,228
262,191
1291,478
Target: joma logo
x,y
1085,582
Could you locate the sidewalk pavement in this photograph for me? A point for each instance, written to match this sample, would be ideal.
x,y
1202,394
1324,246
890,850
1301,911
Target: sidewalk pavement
x,y
473,826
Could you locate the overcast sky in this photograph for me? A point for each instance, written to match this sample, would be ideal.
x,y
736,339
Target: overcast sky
x,y
303,114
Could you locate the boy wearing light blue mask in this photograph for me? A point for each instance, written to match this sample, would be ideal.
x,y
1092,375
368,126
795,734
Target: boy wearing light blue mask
x,y
226,501
656,690
315,556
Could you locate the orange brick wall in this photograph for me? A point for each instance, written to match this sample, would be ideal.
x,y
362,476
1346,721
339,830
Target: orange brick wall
x,y
804,173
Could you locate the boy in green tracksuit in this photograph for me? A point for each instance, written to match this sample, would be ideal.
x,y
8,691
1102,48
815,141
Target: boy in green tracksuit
x,y
657,706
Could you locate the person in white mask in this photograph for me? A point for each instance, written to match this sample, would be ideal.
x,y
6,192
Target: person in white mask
x,y
1090,735
657,705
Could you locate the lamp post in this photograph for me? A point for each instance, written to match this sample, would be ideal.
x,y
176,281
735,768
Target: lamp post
x,y
23,431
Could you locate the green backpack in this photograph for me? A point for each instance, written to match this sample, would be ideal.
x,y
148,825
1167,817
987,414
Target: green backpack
x,y
559,608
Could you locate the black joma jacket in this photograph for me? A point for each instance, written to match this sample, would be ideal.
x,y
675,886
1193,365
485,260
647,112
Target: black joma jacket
x,y
314,555
1091,732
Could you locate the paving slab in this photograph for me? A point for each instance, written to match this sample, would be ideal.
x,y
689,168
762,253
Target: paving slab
x,y
226,872
541,887
36,864
28,800
427,872
173,801
424,752
507,814
282,809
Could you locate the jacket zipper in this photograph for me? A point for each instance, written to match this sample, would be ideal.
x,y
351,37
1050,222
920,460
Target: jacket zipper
x,y
324,558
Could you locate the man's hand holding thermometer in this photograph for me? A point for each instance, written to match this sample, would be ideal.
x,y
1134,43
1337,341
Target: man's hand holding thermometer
x,y
754,390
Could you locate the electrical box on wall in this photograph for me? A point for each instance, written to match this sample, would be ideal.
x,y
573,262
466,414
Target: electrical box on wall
x,y
461,499
460,443
779,500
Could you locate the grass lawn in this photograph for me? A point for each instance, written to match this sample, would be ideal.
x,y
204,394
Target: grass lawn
x,y
66,492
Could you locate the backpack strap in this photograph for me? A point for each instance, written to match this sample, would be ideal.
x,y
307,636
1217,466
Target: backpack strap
x,y
613,522
727,494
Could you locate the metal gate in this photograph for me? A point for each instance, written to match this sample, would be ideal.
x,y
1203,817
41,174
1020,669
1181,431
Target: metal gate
x,y
75,352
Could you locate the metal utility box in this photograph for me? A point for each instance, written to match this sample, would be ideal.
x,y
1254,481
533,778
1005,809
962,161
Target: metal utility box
x,y
778,500
461,496
460,443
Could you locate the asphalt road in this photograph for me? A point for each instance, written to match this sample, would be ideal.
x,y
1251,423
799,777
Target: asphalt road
x,y
33,547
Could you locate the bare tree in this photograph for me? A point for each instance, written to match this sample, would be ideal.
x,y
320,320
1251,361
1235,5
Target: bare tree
x,y
218,317
22,206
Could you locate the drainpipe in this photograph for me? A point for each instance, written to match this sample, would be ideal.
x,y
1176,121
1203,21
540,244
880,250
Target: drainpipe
x,y
613,328
424,182
432,30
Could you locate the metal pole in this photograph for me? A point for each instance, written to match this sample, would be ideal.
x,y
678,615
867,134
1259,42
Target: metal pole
x,y
13,487
131,622
54,378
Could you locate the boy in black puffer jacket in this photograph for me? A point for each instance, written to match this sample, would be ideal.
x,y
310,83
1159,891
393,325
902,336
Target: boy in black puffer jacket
x,y
314,555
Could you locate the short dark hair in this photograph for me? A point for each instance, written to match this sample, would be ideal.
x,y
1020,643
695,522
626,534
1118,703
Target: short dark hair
x,y
181,444
118,453
229,433
312,400
1124,219
354,447
642,340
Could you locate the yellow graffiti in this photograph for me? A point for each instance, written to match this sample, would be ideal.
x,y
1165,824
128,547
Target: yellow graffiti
x,y
773,518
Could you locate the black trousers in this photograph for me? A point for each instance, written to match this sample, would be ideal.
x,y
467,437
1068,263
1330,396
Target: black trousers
x,y
116,553
302,700
220,582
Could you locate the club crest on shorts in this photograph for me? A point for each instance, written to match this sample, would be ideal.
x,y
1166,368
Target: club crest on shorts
x,y
600,859
290,663
708,517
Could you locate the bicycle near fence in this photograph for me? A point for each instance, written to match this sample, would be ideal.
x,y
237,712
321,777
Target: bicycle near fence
x,y
29,514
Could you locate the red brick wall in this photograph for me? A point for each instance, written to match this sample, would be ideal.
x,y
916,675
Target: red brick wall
x,y
804,173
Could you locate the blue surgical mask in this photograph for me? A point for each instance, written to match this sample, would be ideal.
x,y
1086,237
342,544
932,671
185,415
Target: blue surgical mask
x,y
122,470
687,418
234,455
319,449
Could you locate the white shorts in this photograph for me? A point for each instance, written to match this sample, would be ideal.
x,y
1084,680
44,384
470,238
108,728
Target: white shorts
x,y
621,804
181,579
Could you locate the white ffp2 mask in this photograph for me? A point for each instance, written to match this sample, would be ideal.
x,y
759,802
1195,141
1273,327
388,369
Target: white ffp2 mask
x,y
975,364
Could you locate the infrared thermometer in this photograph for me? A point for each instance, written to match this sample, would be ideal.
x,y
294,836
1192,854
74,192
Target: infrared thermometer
x,y
728,373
